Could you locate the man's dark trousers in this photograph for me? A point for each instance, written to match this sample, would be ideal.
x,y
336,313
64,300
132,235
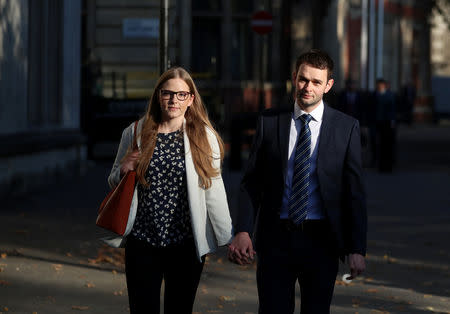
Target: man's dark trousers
x,y
305,253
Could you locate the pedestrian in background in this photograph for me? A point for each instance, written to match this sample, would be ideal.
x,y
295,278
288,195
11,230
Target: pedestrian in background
x,y
306,200
349,100
385,122
182,212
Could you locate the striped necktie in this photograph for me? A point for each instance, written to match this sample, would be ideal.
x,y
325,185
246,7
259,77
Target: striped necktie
x,y
298,201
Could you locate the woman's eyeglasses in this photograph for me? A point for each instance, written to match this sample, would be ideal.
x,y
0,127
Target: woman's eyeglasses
x,y
167,94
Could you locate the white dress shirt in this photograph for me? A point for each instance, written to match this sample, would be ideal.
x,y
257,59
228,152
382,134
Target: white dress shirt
x,y
315,209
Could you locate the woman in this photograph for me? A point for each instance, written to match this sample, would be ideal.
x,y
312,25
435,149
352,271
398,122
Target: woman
x,y
181,212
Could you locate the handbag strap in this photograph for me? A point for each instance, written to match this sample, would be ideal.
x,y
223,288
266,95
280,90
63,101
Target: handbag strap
x,y
134,145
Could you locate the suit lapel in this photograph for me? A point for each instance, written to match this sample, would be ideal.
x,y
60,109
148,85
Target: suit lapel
x,y
325,141
284,128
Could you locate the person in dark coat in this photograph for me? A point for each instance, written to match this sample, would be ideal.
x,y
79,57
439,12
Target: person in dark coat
x,y
302,195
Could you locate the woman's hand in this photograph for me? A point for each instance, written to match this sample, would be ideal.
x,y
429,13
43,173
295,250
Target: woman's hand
x,y
129,162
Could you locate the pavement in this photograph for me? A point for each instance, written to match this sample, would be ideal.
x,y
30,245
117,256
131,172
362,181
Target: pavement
x,y
51,260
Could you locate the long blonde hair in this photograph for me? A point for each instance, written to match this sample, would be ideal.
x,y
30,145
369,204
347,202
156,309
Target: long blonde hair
x,y
196,123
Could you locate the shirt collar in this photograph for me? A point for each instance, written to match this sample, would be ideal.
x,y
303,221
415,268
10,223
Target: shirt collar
x,y
316,114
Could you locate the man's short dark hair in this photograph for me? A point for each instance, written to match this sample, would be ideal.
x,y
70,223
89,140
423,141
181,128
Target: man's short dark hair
x,y
316,58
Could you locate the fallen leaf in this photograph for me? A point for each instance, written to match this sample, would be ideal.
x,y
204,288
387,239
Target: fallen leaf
x,y
57,267
225,298
3,255
68,254
5,309
109,255
89,285
219,261
80,308
340,282
372,290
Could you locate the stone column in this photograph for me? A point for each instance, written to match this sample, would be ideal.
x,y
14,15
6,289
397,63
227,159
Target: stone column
x,y
185,32
71,64
14,28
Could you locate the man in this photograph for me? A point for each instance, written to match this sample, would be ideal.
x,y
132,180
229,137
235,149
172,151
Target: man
x,y
349,100
385,120
307,207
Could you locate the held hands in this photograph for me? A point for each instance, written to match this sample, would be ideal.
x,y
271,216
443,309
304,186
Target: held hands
x,y
129,162
357,264
240,251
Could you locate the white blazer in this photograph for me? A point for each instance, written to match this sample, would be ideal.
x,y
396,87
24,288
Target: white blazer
x,y
210,216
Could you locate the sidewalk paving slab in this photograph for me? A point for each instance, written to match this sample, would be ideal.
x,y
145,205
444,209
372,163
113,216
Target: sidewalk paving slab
x,y
51,260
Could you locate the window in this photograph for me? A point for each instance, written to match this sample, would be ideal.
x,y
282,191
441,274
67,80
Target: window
x,y
206,48
241,50
207,5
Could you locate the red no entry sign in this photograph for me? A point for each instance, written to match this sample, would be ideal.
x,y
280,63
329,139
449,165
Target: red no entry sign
x,y
262,22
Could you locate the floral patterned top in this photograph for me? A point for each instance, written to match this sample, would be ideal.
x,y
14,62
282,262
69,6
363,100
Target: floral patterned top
x,y
163,217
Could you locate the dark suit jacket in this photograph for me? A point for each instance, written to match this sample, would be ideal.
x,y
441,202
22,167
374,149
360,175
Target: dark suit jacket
x,y
340,180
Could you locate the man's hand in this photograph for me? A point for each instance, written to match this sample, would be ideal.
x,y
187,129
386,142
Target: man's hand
x,y
129,162
240,250
357,264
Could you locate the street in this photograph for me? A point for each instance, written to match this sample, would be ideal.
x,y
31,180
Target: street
x,y
52,261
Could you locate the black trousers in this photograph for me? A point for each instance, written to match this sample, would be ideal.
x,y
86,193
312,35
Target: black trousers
x,y
306,254
147,266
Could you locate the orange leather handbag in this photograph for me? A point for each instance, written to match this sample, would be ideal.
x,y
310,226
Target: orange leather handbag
x,y
115,209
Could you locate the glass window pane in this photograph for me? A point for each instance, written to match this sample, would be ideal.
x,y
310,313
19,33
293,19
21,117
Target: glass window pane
x,y
240,6
206,48
241,50
211,5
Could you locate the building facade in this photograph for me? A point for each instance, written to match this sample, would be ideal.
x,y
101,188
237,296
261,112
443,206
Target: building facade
x,y
39,92
440,59
71,68
387,39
